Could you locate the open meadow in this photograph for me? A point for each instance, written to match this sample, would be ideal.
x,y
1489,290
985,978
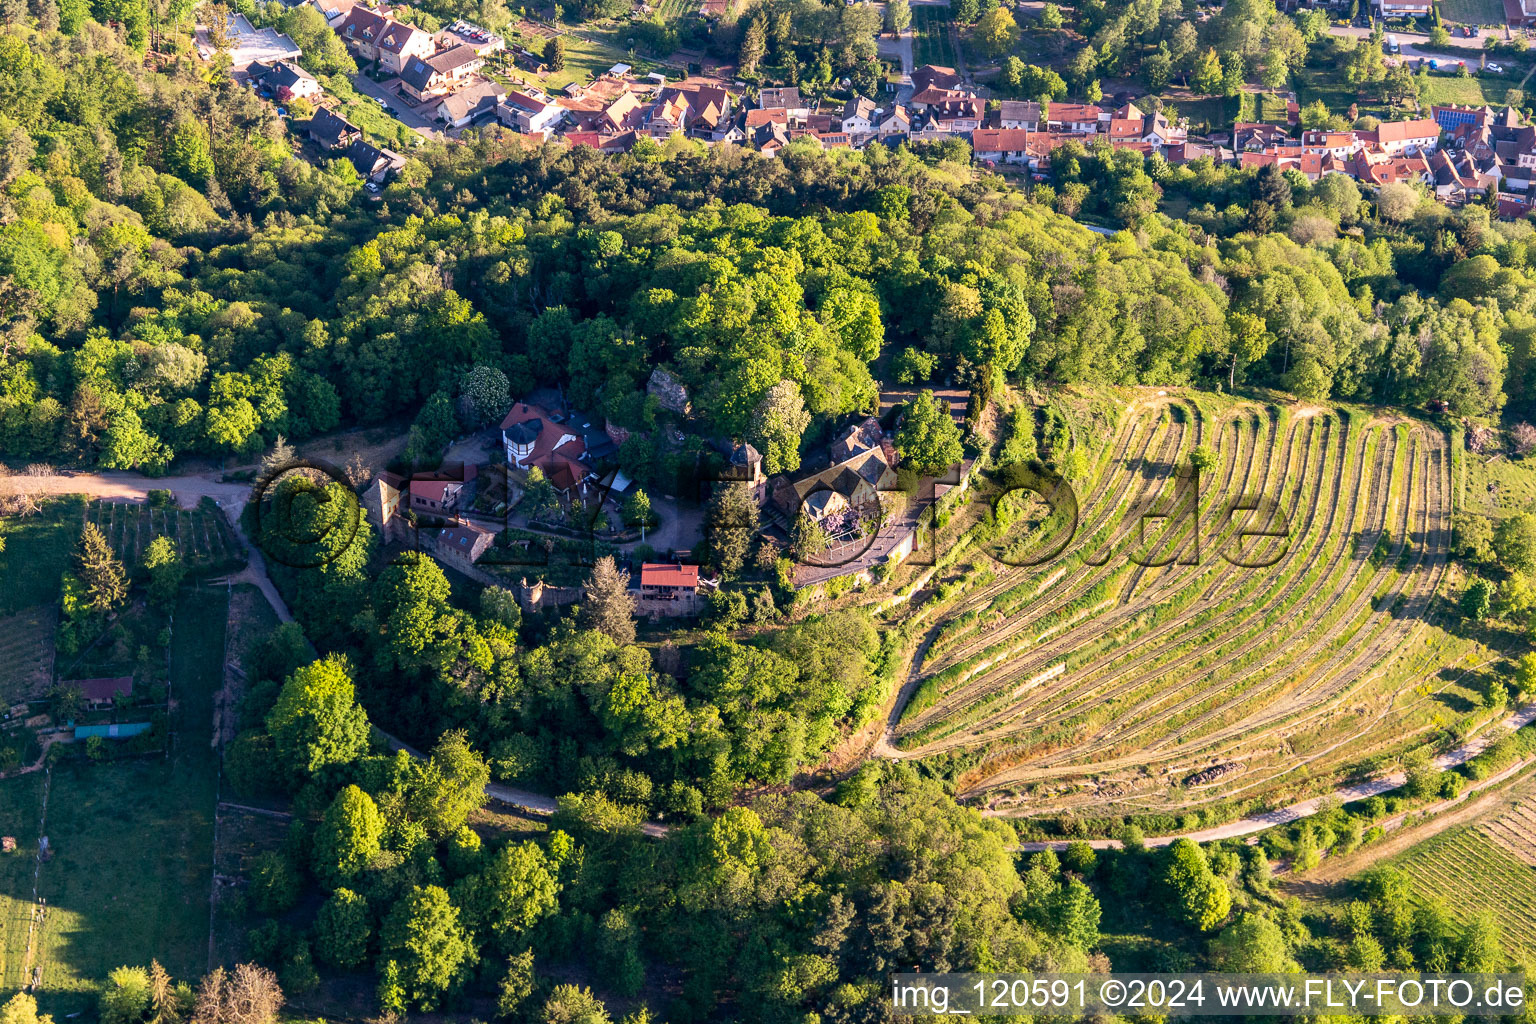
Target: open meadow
x,y
1209,667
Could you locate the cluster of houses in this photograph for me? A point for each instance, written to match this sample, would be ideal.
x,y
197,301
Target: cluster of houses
x,y
850,489
617,110
1461,153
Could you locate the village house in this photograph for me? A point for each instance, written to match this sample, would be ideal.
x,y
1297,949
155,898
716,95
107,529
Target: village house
x,y
479,100
102,691
1336,144
1403,8
331,131
372,163
1497,145
1457,178
1076,118
1376,168
1398,137
896,122
533,436
283,80
529,112
1001,145
446,492
462,544
956,115
859,115
863,465
667,582
787,99
333,11
1019,114
935,77
1291,159
425,77
375,38
695,110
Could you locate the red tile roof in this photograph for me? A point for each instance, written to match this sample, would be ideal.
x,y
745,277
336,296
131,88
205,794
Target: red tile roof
x,y
660,574
1072,113
1000,140
1404,131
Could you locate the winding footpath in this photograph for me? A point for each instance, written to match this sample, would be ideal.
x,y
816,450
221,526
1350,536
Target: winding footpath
x,y
232,497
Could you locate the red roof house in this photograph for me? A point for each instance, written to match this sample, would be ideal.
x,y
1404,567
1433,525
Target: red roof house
x,y
660,579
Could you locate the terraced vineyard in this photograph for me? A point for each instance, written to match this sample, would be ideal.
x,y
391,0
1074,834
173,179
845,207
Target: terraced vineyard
x,y
1097,676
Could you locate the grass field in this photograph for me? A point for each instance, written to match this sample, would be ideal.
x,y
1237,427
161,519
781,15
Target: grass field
x,y
1475,90
132,864
931,39
37,551
1501,486
589,52
1472,12
1098,680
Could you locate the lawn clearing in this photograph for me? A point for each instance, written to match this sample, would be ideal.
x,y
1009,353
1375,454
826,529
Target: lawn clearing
x,y
37,552
590,51
1474,90
1472,12
1500,486
132,841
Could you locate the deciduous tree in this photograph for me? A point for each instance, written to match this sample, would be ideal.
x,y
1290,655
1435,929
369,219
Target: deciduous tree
x,y
928,439
347,838
316,720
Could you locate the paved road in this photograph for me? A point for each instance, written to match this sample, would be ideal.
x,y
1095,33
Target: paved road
x,y
1416,44
405,115
1419,38
1305,808
898,47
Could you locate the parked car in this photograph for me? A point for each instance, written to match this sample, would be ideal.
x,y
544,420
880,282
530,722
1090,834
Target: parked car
x,y
1493,69
390,110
